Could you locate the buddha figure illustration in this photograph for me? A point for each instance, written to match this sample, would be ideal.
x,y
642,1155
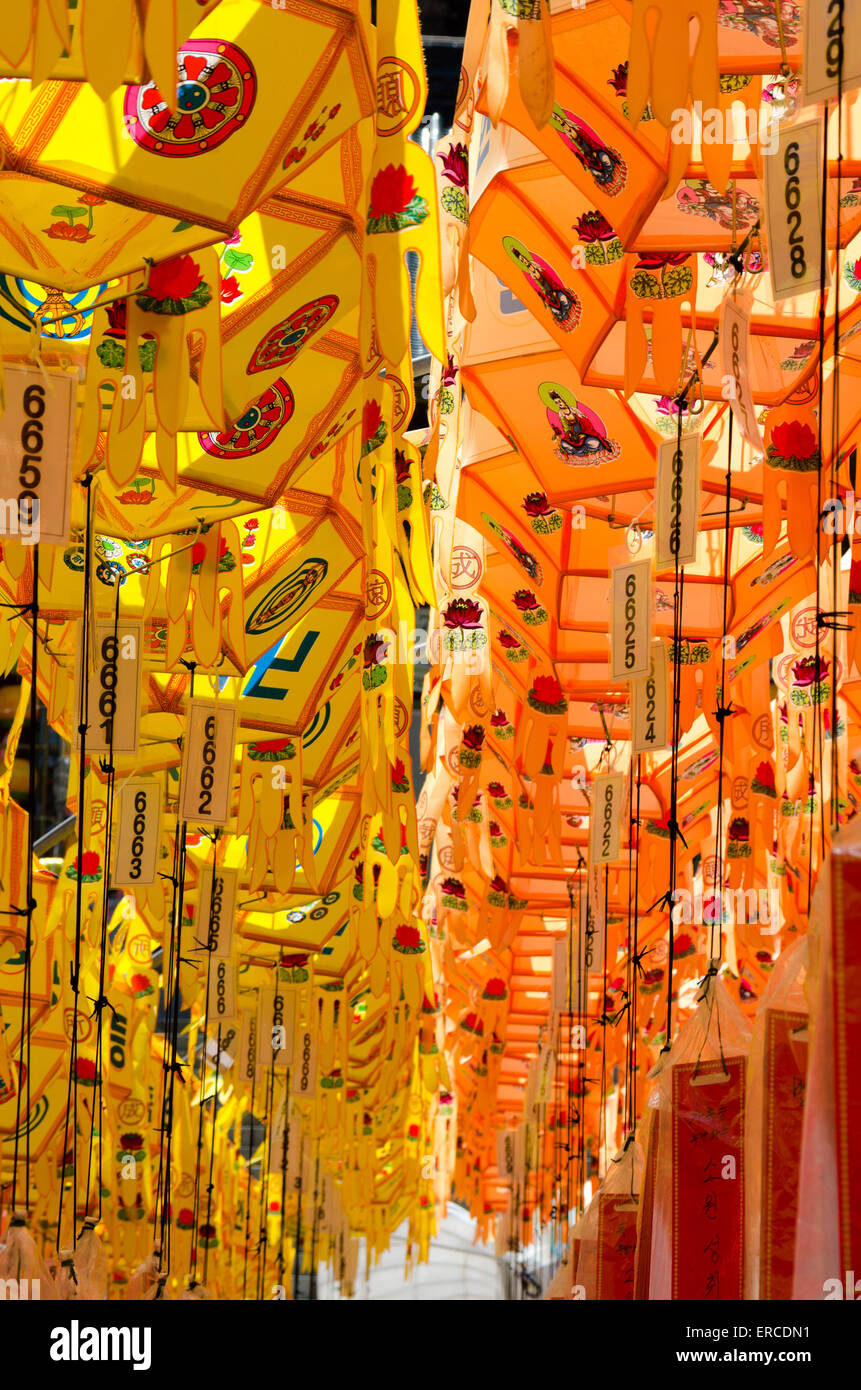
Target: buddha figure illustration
x,y
606,165
578,433
561,302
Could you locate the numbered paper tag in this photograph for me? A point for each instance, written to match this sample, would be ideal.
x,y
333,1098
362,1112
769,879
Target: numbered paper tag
x,y
545,1072
607,813
280,1129
231,1040
215,910
824,23
630,620
36,449
247,1066
560,984
277,1018
650,705
505,1154
592,938
677,502
734,330
222,992
303,1078
114,689
207,765
138,834
793,213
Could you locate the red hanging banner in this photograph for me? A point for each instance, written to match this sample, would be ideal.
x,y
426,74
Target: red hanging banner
x,y
643,1262
708,1180
617,1245
846,974
785,1074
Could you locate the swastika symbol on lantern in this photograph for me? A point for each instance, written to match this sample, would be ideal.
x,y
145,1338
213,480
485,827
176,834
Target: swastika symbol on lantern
x,y
215,93
465,567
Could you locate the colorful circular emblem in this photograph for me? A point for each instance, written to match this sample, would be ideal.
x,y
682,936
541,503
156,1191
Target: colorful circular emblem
x,y
281,345
258,425
398,93
216,88
378,594
287,597
465,567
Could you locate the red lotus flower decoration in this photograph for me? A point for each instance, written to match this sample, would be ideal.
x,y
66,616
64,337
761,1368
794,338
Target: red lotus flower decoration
x,y
506,640
374,651
67,231
793,440
177,278
525,601
392,191
118,316
88,863
619,80
496,789
810,670
455,166
535,504
230,290
462,612
494,989
473,737
547,690
593,226
656,260
372,418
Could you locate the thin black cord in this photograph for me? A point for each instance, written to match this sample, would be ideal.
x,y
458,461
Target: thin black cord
x,y
83,711
101,1002
24,1066
207,946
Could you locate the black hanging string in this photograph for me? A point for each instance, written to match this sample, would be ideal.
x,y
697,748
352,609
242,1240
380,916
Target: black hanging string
x,y
627,1117
83,711
172,1068
312,1277
24,1064
678,605
285,1146
821,618
101,1002
210,1187
264,1189
722,713
635,959
207,946
299,1190
167,976
835,462
249,1187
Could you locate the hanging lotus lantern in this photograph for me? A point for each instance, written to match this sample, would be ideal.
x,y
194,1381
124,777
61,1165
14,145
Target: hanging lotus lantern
x,y
791,455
